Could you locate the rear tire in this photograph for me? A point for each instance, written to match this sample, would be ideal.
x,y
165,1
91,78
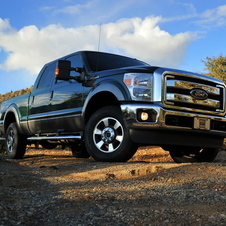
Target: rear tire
x,y
48,145
184,154
15,143
78,150
106,137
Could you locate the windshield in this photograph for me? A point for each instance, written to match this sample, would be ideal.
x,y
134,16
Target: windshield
x,y
104,61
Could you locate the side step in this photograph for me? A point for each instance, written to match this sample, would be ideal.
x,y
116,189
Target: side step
x,y
55,138
2,138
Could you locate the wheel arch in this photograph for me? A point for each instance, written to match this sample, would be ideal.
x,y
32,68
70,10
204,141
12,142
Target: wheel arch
x,y
98,101
103,95
11,116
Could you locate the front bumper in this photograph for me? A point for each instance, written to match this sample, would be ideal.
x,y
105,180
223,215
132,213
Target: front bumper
x,y
173,127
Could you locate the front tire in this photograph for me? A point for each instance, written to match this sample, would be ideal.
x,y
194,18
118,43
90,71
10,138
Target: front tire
x,y
106,137
15,143
185,155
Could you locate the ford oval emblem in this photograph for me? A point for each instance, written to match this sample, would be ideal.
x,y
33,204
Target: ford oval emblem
x,y
199,94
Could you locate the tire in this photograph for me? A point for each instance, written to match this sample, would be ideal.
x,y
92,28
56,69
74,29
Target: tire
x,y
2,146
48,145
15,143
78,150
106,137
184,154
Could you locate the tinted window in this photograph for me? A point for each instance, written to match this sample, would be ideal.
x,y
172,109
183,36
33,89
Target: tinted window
x,y
104,61
75,62
47,76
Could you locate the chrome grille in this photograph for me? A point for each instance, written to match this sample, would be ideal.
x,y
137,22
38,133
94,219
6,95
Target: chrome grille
x,y
194,94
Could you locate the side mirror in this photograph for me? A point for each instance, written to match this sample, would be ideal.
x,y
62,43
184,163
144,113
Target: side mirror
x,y
63,69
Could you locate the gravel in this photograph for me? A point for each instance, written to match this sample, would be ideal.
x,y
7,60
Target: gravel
x,y
52,188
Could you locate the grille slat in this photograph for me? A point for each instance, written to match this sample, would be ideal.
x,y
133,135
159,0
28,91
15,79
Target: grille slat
x,y
189,99
192,85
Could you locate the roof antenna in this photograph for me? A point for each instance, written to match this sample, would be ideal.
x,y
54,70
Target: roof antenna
x,y
99,37
98,48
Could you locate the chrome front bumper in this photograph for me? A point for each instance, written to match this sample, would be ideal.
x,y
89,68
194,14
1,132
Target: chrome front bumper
x,y
169,120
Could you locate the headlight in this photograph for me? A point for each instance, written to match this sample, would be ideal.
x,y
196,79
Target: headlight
x,y
139,85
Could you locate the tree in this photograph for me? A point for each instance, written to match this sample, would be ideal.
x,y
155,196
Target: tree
x,y
216,67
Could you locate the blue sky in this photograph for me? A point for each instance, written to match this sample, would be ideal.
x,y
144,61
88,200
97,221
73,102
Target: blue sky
x,y
169,33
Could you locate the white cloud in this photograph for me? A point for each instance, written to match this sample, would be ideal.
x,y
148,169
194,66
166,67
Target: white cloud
x,y
213,17
29,48
4,25
75,9
144,39
209,19
46,8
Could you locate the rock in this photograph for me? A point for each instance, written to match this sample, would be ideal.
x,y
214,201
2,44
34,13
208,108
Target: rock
x,y
221,156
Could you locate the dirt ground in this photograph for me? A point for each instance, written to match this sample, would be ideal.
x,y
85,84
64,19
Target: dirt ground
x,y
50,187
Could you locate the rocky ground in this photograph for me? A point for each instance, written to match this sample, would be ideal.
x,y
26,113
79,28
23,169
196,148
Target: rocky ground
x,y
53,188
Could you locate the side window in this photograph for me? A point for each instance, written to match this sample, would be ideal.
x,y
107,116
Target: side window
x,y
75,62
47,76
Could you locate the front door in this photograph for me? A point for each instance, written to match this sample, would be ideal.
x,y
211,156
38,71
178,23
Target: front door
x,y
67,101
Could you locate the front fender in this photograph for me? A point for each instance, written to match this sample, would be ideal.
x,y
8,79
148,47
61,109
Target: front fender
x,y
112,87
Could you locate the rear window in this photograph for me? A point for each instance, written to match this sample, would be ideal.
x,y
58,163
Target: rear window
x,y
103,61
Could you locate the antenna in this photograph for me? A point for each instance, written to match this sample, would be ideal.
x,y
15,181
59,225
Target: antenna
x,y
99,37
98,48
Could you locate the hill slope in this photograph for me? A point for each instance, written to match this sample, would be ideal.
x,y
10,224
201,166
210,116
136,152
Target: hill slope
x,y
7,96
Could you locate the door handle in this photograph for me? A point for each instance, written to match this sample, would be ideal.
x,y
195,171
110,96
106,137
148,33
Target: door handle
x,y
32,100
51,96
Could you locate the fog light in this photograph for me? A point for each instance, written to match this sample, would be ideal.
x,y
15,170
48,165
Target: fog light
x,y
144,116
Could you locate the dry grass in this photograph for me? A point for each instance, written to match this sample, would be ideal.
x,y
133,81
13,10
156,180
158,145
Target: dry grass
x,y
12,94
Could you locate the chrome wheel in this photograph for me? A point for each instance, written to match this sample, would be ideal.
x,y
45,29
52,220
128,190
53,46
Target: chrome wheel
x,y
108,135
15,143
10,141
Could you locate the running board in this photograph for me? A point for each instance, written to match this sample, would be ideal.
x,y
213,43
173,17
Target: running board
x,y
2,138
55,138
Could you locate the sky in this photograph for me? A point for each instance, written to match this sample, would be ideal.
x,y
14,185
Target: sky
x,y
167,33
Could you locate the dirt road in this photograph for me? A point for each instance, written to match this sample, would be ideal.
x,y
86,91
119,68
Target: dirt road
x,y
53,188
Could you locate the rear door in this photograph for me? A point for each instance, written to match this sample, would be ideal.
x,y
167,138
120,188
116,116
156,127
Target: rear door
x,y
39,101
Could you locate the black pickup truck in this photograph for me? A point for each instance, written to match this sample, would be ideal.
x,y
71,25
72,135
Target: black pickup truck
x,y
106,106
